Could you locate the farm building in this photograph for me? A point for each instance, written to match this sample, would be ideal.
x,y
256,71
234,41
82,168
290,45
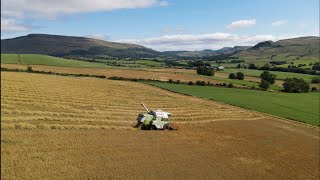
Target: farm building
x,y
218,68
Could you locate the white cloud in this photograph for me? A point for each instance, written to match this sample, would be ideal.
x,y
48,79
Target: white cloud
x,y
279,22
203,41
99,36
10,25
15,10
242,24
164,3
51,9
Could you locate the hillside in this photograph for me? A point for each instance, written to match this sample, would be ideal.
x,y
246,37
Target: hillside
x,y
189,53
229,50
206,52
293,48
38,59
296,47
70,46
62,46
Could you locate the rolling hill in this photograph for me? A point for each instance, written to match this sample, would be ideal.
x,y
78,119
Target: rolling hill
x,y
38,59
206,52
62,46
189,53
296,47
70,46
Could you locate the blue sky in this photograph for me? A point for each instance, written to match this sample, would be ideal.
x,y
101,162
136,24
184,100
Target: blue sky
x,y
164,25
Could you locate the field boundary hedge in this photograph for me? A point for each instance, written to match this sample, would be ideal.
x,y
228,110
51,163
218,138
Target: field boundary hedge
x,y
191,83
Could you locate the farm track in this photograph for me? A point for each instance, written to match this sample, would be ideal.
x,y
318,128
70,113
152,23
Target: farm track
x,y
42,100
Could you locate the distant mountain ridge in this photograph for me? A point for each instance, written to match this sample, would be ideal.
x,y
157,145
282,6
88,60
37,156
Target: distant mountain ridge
x,y
229,50
303,47
71,46
58,45
189,53
206,52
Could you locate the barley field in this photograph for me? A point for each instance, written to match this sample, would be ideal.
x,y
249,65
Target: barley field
x,y
55,127
46,101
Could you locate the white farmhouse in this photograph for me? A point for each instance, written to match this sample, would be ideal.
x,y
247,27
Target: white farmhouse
x,y
220,67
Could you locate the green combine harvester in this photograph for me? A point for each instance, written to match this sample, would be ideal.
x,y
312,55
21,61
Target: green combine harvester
x,y
154,120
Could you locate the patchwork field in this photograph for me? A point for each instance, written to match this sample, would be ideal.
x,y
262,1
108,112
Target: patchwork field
x,y
303,107
57,127
141,69
157,74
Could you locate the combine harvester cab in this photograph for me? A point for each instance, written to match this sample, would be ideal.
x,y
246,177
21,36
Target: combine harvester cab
x,y
154,120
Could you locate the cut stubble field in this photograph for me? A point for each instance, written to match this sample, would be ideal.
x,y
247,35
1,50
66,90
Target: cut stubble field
x,y
37,100
81,128
264,149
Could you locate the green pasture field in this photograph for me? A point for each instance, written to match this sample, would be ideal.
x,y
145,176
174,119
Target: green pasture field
x,y
226,65
303,107
246,83
241,82
36,59
301,61
138,63
280,75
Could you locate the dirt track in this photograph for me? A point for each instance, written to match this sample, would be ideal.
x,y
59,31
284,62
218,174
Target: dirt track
x,y
263,149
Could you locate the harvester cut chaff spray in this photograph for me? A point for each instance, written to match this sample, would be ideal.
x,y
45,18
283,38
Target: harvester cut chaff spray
x,y
154,120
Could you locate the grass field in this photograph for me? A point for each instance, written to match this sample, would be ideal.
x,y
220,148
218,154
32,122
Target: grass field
x,y
35,59
302,107
280,75
244,82
301,61
137,63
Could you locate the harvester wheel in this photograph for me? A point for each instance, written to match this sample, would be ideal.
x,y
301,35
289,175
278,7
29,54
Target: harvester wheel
x,y
153,128
166,127
143,127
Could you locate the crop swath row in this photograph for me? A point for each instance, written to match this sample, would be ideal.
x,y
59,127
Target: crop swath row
x,y
44,101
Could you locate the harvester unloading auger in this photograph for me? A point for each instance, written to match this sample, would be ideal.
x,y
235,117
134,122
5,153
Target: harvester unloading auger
x,y
154,120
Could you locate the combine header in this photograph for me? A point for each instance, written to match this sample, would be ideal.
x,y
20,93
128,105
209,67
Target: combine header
x,y
154,120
